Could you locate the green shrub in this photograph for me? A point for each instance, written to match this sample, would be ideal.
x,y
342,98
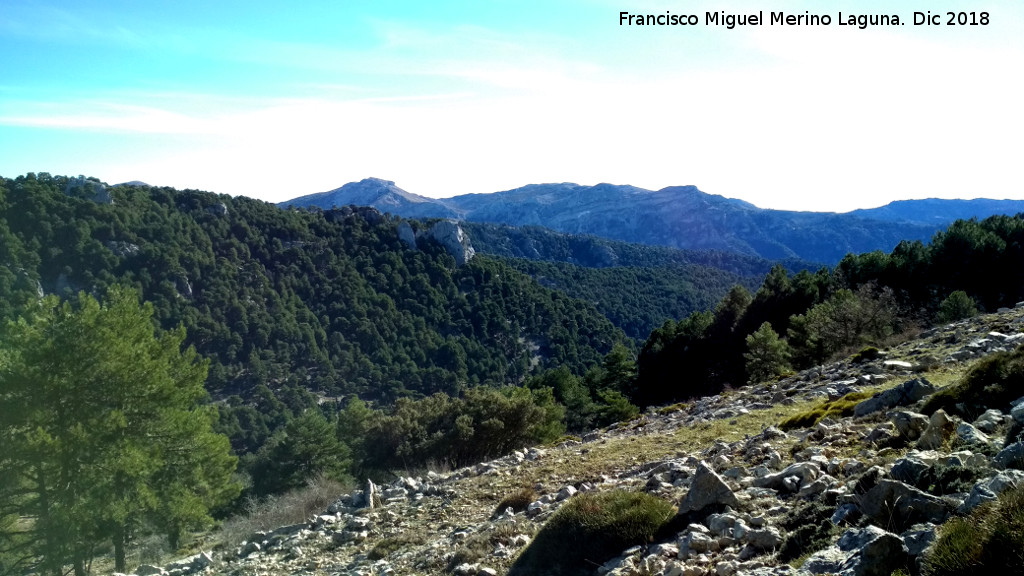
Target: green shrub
x,y
943,479
591,528
956,306
988,541
833,408
866,354
993,383
664,410
808,528
563,438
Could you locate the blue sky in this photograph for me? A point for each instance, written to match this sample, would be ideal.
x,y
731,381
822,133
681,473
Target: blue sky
x,y
274,100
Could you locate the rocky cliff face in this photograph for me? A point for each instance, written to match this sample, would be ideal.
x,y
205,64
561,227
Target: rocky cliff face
x,y
858,495
446,233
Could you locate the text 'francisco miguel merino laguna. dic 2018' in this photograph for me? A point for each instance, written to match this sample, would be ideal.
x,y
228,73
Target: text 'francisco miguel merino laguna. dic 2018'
x,y
861,21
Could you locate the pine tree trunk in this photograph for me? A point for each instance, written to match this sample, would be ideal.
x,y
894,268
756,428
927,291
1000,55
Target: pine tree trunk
x,y
119,543
52,561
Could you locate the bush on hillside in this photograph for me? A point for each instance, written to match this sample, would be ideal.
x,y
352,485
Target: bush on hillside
x,y
591,528
484,423
993,383
517,501
839,408
956,306
867,354
809,528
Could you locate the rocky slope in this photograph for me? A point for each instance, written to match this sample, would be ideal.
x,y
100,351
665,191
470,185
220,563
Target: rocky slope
x,y
678,216
841,496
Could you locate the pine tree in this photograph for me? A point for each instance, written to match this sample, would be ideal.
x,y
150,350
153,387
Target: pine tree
x,y
308,446
956,306
104,431
767,355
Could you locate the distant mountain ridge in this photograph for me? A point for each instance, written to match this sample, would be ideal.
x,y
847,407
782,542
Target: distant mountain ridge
x,y
940,211
677,216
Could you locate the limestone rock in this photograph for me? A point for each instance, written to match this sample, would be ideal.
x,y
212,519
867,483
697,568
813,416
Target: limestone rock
x,y
907,393
970,435
707,488
406,234
989,421
938,426
990,489
450,235
878,556
804,472
1010,457
827,561
764,538
918,538
895,502
909,469
910,425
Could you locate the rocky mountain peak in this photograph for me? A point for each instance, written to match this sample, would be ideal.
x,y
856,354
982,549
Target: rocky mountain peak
x,y
378,193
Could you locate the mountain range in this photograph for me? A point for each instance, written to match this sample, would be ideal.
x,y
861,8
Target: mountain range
x,y
678,216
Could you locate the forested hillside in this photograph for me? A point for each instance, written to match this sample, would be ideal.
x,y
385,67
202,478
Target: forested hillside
x,y
638,299
795,322
537,243
636,286
292,308
333,301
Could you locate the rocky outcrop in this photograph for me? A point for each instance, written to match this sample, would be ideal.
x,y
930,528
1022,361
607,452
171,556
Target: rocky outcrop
x,y
89,188
707,488
220,209
406,234
447,233
907,393
371,215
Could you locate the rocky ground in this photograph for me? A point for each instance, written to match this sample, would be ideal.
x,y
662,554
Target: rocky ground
x,y
780,502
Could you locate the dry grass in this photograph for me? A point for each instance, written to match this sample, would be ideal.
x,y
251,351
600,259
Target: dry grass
x,y
990,540
391,544
292,507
